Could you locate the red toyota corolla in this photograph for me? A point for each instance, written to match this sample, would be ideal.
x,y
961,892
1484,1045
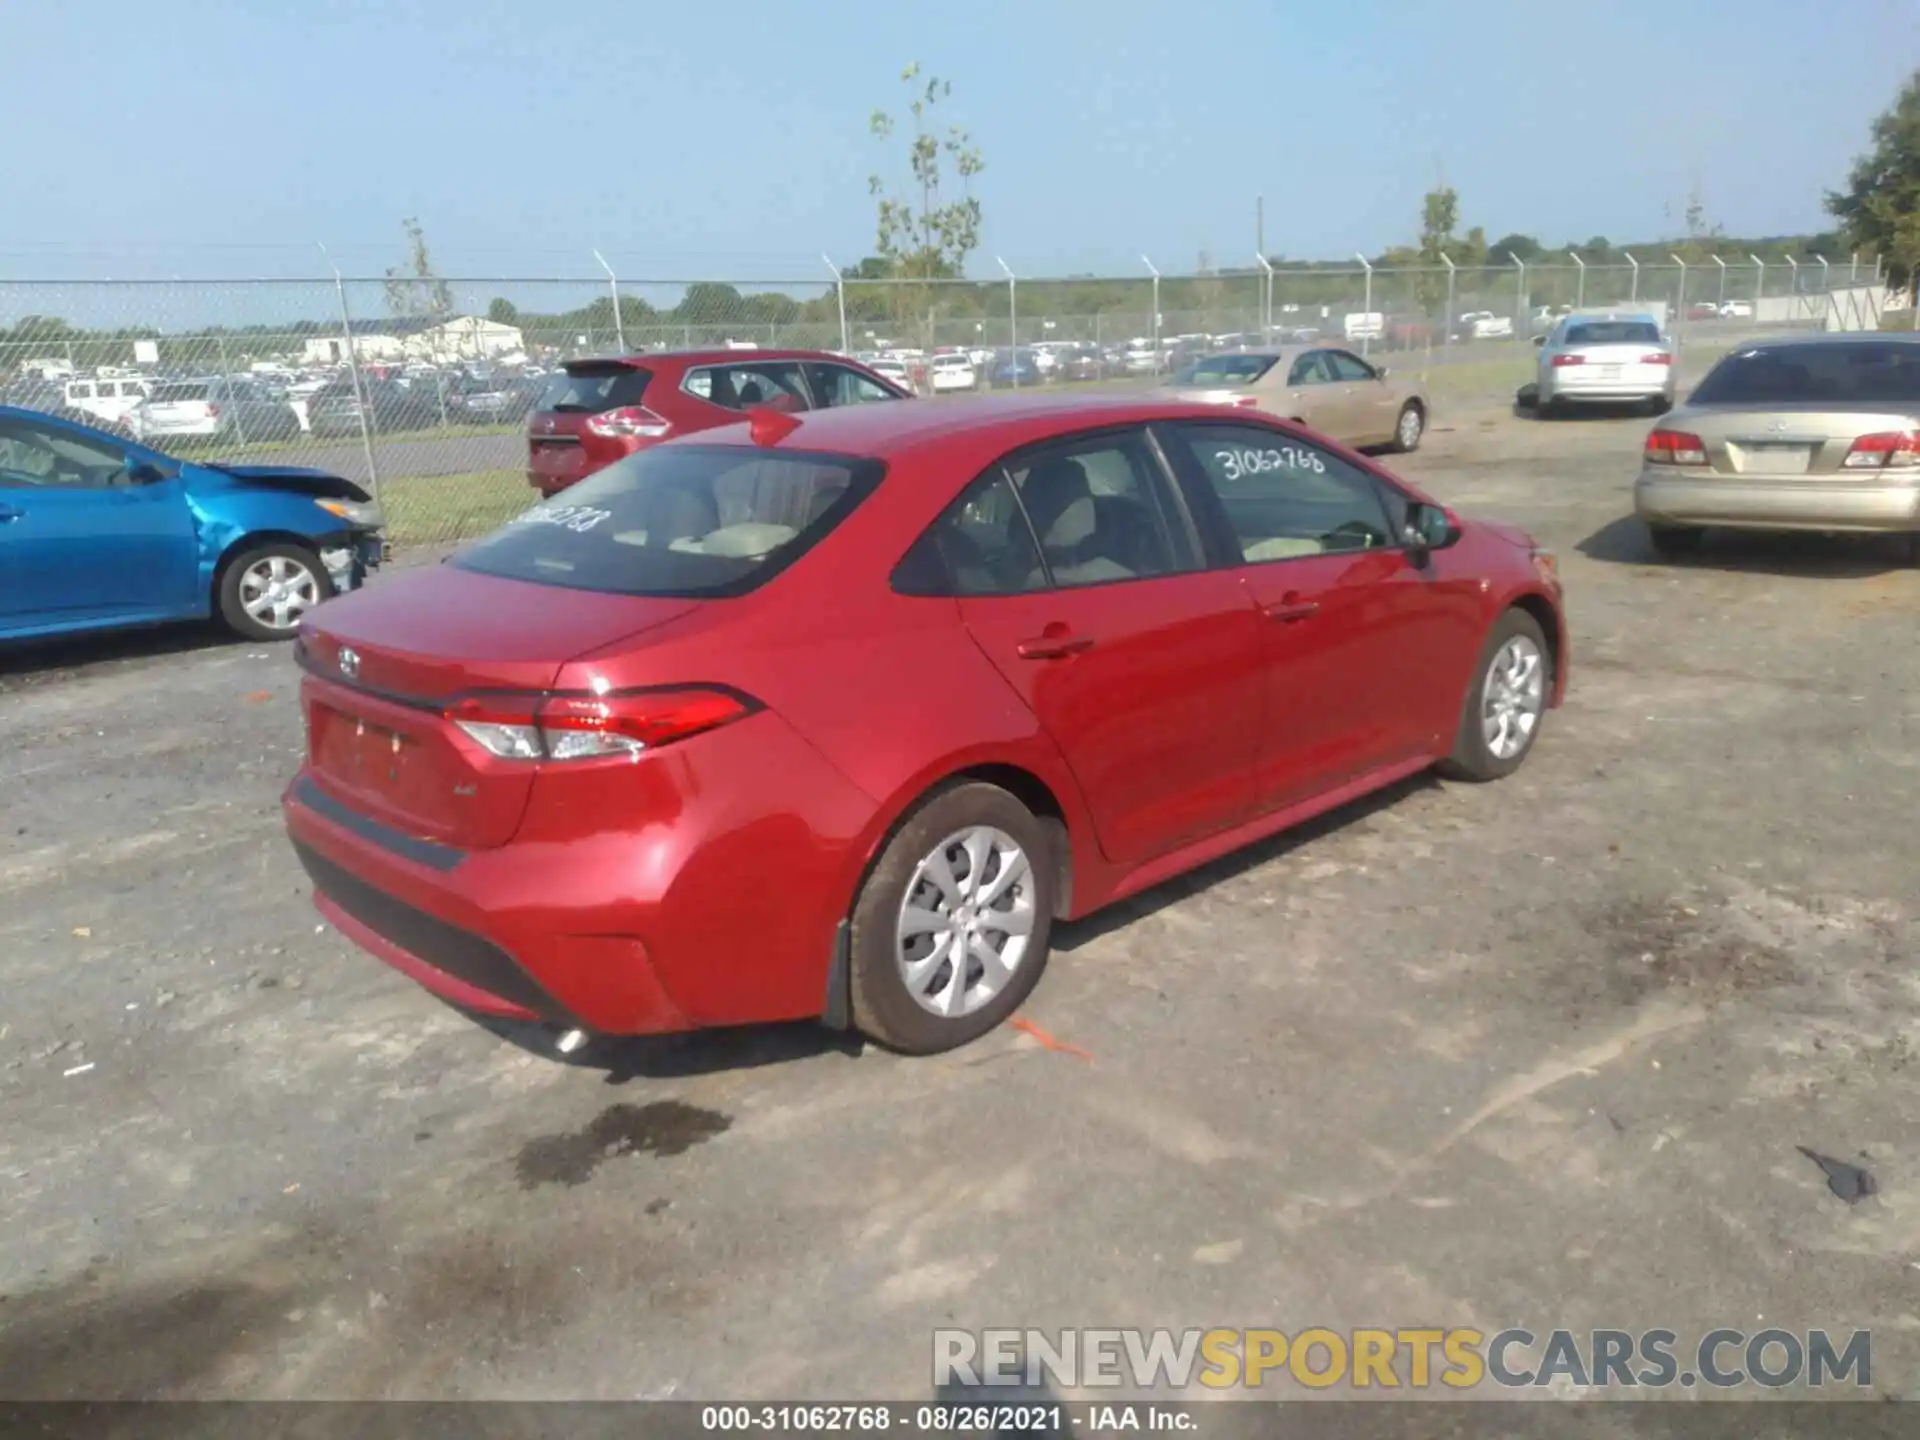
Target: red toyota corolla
x,y
833,715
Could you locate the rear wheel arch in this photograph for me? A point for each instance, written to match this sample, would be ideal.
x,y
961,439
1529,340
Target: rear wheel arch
x,y
1019,781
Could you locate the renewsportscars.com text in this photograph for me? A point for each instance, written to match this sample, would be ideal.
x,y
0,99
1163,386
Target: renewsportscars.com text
x,y
1456,1359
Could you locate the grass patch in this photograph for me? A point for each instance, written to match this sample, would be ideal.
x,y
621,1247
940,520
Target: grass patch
x,y
208,448
436,509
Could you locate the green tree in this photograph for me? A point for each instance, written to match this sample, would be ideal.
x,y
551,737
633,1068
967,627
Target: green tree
x,y
503,311
928,224
1517,247
1879,210
1439,218
414,291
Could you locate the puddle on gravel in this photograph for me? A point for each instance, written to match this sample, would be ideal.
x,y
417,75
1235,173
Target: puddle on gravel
x,y
665,1127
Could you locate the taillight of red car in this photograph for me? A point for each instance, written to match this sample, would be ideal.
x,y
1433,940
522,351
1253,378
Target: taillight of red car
x,y
538,727
1884,450
630,422
1675,447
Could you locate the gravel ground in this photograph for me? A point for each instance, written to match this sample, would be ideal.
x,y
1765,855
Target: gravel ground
x,y
1537,1053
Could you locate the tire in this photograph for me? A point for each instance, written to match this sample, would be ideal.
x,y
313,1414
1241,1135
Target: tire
x,y
1672,541
886,1005
1550,409
1659,405
1477,756
254,570
1412,418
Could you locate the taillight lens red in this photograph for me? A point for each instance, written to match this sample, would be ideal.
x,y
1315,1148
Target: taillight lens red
x,y
588,727
213,412
1656,357
1887,449
1675,447
1560,362
629,420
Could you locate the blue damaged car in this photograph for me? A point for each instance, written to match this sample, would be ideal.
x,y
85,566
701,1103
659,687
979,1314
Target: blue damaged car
x,y
99,533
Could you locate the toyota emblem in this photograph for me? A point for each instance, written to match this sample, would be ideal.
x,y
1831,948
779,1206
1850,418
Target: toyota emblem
x,y
349,662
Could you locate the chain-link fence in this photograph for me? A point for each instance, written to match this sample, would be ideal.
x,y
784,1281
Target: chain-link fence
x,y
422,387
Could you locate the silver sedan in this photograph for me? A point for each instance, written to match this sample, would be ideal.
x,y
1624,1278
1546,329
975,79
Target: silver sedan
x,y
1816,432
1610,359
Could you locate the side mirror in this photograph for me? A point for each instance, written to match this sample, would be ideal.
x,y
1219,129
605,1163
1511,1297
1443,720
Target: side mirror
x,y
1428,527
144,472
1539,340
1381,373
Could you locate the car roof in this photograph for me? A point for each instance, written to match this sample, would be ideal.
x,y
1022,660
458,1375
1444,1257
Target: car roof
x,y
708,355
1832,337
996,422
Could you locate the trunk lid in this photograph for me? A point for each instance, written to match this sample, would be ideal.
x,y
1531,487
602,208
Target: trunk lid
x,y
378,739
1787,441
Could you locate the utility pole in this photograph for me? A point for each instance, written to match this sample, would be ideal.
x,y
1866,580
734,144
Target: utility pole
x,y
1259,224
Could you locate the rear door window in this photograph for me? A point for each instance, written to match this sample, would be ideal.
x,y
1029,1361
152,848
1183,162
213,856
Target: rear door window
x,y
590,389
836,385
1349,367
981,546
1101,510
1311,369
774,383
705,520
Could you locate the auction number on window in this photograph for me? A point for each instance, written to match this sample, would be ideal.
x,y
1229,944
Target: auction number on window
x,y
1238,464
578,518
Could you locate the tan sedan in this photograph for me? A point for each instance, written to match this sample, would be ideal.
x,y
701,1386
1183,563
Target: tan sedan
x,y
1813,432
1325,388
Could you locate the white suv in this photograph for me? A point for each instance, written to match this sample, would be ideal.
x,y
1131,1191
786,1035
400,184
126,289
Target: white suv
x,y
112,400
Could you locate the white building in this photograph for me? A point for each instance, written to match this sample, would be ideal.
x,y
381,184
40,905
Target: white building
x,y
378,345
464,337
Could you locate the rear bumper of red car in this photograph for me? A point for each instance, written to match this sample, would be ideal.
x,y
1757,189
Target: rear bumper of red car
x,y
443,918
614,922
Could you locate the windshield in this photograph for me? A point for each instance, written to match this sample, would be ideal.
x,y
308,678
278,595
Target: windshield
x,y
1225,370
1614,332
680,520
1870,373
589,389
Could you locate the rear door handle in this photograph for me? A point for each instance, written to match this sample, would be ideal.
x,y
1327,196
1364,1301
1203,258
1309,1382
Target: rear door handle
x,y
1292,609
1054,647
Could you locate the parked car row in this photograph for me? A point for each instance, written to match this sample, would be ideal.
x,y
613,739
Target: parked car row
x,y
278,405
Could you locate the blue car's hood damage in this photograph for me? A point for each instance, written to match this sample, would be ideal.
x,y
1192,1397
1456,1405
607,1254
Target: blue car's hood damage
x,y
320,484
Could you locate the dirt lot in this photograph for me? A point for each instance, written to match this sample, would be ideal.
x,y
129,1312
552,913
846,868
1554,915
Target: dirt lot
x,y
1535,1053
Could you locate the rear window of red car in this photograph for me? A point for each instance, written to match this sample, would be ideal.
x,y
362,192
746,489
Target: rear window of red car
x,y
685,520
589,389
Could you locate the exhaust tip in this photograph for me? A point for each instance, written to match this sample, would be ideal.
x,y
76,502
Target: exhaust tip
x,y
571,1041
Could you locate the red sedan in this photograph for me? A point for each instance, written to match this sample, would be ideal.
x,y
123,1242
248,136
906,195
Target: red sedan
x,y
594,412
833,715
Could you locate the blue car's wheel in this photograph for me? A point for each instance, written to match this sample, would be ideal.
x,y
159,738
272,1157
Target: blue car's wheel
x,y
267,590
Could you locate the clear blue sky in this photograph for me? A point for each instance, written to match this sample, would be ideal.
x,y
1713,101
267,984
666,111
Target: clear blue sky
x,y
212,137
